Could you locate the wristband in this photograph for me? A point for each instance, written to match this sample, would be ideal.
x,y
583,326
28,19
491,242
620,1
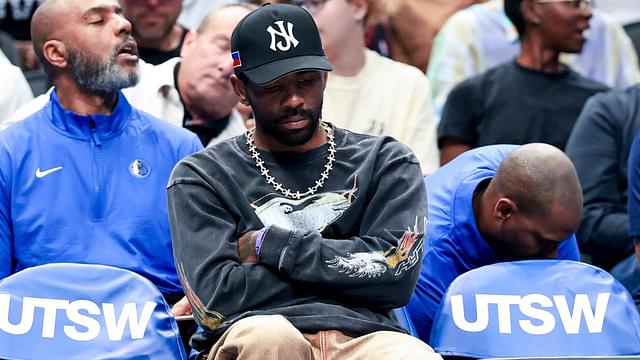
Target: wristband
x,y
259,237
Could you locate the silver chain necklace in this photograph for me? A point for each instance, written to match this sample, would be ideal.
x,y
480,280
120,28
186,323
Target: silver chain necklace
x,y
279,187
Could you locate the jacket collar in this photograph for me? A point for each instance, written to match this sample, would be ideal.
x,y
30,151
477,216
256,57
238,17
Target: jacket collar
x,y
79,126
465,228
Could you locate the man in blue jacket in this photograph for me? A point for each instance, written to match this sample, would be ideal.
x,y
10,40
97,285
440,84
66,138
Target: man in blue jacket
x,y
83,179
491,204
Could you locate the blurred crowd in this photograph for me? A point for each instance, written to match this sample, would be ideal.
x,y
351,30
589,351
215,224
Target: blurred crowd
x,y
446,78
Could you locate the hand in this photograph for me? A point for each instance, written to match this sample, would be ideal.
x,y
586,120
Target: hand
x,y
247,247
182,307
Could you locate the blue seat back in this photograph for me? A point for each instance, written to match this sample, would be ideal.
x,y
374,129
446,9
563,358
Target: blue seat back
x,y
536,308
404,320
80,311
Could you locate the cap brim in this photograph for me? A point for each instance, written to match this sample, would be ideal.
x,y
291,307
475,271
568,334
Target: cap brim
x,y
273,71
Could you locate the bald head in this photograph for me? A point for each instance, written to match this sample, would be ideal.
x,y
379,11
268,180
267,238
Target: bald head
x,y
227,10
85,44
537,176
46,23
206,55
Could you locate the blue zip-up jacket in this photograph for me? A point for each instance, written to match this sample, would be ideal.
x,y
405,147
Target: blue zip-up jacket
x,y
90,189
454,245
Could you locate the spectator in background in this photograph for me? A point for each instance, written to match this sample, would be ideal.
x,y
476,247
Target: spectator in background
x,y
194,11
14,89
599,147
491,204
15,19
533,98
633,282
366,92
155,29
84,178
194,91
481,36
414,23
9,49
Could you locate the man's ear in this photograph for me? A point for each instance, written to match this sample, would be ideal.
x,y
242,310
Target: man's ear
x,y
55,52
240,89
504,209
189,39
530,13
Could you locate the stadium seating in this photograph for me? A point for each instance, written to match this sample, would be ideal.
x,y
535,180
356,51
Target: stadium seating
x,y
404,319
79,311
536,308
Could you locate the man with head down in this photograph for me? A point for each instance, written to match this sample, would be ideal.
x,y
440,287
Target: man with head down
x,y
491,204
83,179
296,239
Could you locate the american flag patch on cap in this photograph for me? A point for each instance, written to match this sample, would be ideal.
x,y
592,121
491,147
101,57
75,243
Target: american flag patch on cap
x,y
236,59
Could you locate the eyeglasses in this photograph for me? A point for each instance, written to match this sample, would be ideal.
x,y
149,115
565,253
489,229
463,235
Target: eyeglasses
x,y
578,4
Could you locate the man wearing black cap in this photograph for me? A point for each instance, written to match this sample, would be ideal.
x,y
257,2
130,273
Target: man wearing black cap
x,y
295,240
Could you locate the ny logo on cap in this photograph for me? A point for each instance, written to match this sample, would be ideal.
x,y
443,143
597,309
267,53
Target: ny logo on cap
x,y
286,34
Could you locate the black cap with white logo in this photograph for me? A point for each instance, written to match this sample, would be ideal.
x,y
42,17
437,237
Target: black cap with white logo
x,y
276,40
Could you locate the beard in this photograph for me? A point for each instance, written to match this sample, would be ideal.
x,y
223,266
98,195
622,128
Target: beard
x,y
101,76
287,137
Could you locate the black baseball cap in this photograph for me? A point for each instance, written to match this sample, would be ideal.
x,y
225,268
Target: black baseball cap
x,y
275,40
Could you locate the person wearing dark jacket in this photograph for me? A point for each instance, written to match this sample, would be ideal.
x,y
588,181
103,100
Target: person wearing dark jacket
x,y
599,147
296,239
628,269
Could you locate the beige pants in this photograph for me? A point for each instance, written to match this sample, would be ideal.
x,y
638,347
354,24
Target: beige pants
x,y
274,337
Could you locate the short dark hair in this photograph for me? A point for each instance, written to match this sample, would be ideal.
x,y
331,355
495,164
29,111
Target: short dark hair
x,y
512,9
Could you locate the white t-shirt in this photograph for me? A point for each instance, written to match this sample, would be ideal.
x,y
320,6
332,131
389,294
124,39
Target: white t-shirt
x,y
14,89
156,92
386,98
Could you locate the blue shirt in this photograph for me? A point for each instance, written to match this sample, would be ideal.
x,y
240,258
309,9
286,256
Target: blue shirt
x,y
90,189
454,245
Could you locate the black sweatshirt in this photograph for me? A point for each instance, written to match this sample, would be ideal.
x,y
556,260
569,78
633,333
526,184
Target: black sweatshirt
x,y
339,259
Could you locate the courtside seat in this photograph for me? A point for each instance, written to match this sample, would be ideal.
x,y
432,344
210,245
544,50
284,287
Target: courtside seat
x,y
79,311
404,319
536,308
